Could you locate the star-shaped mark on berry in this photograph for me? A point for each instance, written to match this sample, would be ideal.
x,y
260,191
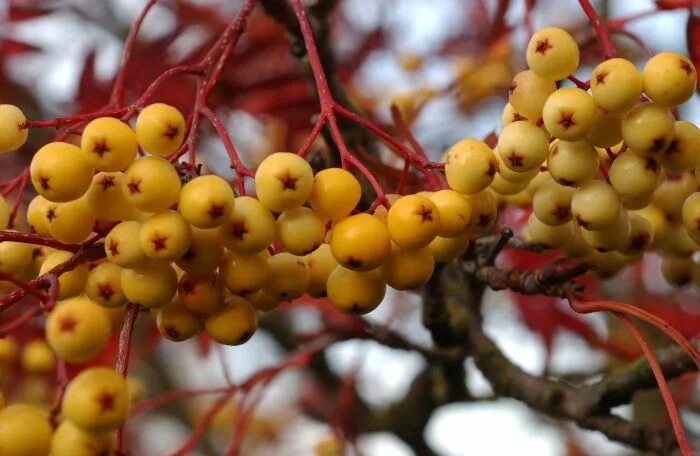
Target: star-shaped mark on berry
x,y
513,86
492,169
426,214
51,214
288,182
600,77
581,222
543,46
658,144
113,247
640,241
106,402
238,230
215,211
484,220
567,120
686,66
134,186
67,324
353,263
651,165
562,212
100,148
107,182
159,242
44,183
172,332
516,160
170,132
105,291
187,287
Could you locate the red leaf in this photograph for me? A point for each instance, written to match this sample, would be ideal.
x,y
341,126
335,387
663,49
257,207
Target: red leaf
x,y
25,12
11,47
693,35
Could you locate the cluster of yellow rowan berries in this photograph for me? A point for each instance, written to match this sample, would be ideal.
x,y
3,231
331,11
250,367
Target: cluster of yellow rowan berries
x,y
608,174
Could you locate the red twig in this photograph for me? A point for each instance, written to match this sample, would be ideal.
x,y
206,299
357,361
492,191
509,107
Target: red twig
x,y
202,426
35,239
18,199
663,385
122,364
608,47
61,384
584,85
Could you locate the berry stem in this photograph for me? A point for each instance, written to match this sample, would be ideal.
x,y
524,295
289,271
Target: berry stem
x,y
61,384
603,35
663,385
24,178
35,239
122,364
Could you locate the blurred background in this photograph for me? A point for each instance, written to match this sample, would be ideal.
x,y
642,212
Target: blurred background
x,y
442,63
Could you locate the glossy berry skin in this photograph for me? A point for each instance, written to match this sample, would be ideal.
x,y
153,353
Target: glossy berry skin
x,y
70,222
684,151
357,292
203,294
595,205
522,146
528,93
408,268
360,242
547,236
616,85
321,263
300,230
672,192
12,136
288,276
250,228
569,113
151,184
153,284
96,400
612,237
176,322
606,130
165,236
691,212
641,235
122,245
206,201
160,129
551,203
648,129
204,254
335,193
106,198
108,144
233,324
669,79
552,53
447,249
454,212
283,181
244,273
59,172
77,329
70,283
634,176
37,357
413,221
677,271
70,440
103,285
470,166
24,431
572,163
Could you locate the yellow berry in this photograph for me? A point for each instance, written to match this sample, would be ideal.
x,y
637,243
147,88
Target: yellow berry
x,y
96,400
321,263
413,221
360,242
606,130
288,276
528,93
122,245
206,201
5,213
447,249
165,236
300,230
335,193
77,329
108,144
508,116
12,135
641,235
244,274
503,187
204,254
24,431
671,193
151,285
357,292
547,236
551,203
251,227
634,176
484,212
684,151
552,53
648,129
36,215
70,440
70,222
151,184
15,258
595,205
612,237
200,294
176,322
510,175
160,129
657,221
677,271
616,85
264,302
70,283
59,172
454,212
233,324
572,163
37,357
9,349
106,198
470,166
522,146
283,181
669,79
691,212
408,268
569,113
103,285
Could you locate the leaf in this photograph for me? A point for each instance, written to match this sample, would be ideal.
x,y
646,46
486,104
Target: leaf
x,y
18,13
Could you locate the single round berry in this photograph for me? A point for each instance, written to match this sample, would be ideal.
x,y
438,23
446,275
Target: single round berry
x,y
672,192
360,242
300,230
204,254
569,113
70,222
288,276
25,430
552,53
657,221
470,166
446,249
37,215
572,163
522,146
516,177
528,93
677,271
413,221
408,268
606,130
357,292
15,258
321,263
641,235
70,440
233,324
77,329
165,236
151,285
283,181
122,245
669,79
37,357
244,274
335,193
151,184
612,237
70,283
547,236
96,400
595,205
616,85
634,176
12,135
160,129
250,228
206,201
691,213
454,212
176,322
684,151
106,198
648,129
103,285
551,203
484,212
200,294
59,172
108,144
